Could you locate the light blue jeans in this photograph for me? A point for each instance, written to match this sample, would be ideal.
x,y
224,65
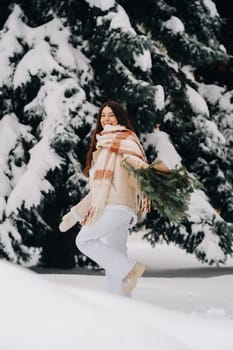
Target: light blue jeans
x,y
106,243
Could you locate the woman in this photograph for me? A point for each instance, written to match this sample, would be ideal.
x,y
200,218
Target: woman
x,y
114,200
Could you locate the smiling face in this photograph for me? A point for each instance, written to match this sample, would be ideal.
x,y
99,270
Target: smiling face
x,y
108,117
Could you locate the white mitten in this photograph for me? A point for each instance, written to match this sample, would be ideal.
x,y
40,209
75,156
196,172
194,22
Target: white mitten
x,y
69,220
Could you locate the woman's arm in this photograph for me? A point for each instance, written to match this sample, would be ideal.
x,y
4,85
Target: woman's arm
x,y
138,163
134,161
75,214
83,206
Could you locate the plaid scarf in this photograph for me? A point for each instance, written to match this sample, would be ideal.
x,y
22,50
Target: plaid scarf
x,y
113,140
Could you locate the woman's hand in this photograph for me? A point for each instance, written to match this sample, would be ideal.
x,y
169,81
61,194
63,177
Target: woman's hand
x,y
160,166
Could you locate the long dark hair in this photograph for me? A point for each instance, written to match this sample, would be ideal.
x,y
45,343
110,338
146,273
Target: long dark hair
x,y
122,118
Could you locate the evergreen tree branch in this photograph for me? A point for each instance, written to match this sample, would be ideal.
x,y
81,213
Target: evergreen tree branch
x,y
169,192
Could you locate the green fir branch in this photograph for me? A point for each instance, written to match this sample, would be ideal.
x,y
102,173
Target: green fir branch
x,y
169,192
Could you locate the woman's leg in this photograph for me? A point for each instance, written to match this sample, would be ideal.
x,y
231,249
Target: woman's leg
x,y
89,241
116,240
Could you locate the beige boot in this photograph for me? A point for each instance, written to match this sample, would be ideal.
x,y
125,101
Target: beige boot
x,y
130,281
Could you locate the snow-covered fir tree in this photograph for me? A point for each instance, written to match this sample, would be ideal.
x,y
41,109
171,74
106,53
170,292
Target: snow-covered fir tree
x,y
59,61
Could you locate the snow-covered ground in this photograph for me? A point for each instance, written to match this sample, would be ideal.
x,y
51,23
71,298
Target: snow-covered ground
x,y
178,296
178,304
173,280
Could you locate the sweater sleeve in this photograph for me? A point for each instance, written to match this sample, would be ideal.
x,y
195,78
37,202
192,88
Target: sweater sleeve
x,y
81,209
134,161
138,163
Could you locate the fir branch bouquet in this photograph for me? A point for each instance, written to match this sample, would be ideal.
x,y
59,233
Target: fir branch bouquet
x,y
169,192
